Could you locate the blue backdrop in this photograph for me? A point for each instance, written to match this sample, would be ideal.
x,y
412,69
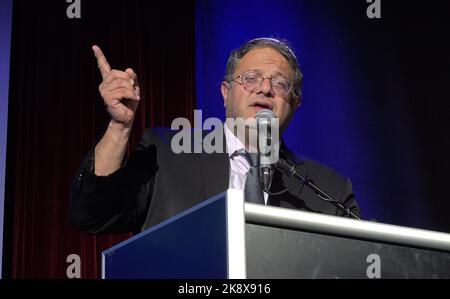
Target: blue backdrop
x,y
358,93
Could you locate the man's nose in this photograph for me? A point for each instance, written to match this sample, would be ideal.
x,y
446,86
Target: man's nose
x,y
266,86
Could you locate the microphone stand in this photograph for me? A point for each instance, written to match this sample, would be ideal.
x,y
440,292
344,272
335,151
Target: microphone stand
x,y
289,169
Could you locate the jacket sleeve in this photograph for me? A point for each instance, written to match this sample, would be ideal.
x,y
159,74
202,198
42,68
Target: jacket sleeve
x,y
348,200
117,202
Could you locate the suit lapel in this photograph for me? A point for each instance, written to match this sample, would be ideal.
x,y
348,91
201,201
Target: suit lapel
x,y
215,170
280,181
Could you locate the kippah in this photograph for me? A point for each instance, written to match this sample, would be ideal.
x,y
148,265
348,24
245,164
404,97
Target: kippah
x,y
274,40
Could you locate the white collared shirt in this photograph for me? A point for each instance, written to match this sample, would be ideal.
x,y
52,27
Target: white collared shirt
x,y
239,165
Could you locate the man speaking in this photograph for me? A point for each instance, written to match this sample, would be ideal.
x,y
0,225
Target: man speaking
x,y
115,193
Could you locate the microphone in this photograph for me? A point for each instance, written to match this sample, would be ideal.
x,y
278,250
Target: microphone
x,y
288,169
268,145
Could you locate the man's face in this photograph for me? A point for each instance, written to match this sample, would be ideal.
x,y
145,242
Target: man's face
x,y
240,103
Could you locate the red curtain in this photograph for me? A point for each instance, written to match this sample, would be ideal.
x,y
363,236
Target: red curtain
x,y
56,113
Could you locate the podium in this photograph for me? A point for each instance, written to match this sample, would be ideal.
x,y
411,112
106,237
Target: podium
x,y
223,237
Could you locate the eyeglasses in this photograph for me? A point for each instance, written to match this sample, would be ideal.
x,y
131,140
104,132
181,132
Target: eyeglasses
x,y
253,80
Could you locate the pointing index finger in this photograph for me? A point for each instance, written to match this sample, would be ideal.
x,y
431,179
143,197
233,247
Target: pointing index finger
x,y
103,64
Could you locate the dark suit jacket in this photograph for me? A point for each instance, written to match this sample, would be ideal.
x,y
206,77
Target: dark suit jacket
x,y
155,184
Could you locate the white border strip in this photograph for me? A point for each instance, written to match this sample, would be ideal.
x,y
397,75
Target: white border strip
x,y
237,267
5,50
103,266
347,227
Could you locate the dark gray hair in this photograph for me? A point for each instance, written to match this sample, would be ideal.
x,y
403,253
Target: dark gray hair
x,y
281,46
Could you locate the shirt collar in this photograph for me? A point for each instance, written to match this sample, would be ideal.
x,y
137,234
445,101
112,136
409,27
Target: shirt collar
x,y
233,143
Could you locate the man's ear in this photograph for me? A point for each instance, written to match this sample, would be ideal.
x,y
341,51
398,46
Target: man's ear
x,y
296,102
225,89
299,102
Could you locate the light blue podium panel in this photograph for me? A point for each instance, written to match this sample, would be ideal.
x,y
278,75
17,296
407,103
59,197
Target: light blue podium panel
x,y
197,243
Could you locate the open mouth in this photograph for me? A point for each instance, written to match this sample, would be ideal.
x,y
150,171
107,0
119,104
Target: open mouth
x,y
261,106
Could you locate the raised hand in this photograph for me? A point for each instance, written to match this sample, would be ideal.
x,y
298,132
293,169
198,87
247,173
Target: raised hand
x,y
119,90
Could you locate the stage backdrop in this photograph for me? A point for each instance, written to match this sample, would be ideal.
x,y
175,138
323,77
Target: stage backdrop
x,y
57,114
5,43
375,104
376,100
